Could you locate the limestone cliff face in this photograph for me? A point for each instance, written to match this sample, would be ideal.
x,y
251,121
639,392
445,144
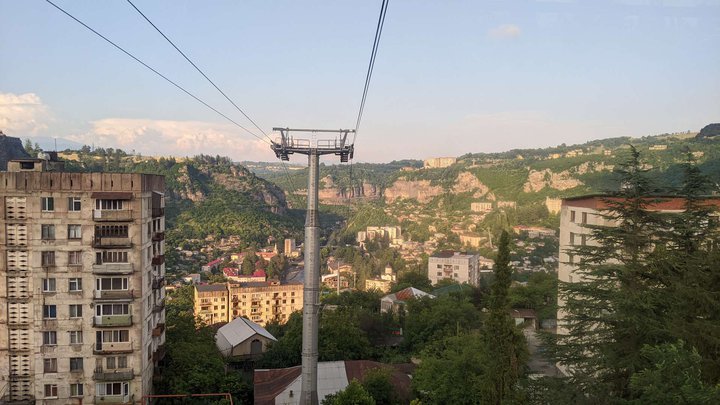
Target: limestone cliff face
x,y
467,182
538,180
420,190
331,194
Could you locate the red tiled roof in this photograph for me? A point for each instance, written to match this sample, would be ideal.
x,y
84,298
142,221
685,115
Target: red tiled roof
x,y
259,273
230,272
215,262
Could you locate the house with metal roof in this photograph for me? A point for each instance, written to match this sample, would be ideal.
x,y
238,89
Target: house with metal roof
x,y
395,301
243,338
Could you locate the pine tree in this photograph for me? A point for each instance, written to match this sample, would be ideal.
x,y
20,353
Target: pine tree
x,y
505,345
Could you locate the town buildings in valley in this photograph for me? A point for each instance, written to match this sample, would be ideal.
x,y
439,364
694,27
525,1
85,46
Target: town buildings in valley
x,y
83,274
382,283
456,266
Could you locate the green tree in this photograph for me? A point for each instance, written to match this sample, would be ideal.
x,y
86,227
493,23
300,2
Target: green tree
x,y
503,367
353,394
378,384
412,278
429,320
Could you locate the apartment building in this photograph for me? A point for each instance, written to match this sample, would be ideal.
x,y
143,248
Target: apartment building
x,y
81,284
576,214
261,302
455,266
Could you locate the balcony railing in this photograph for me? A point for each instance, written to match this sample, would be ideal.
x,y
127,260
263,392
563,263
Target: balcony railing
x,y
103,321
112,347
114,399
113,294
112,215
112,242
119,374
158,236
113,268
158,260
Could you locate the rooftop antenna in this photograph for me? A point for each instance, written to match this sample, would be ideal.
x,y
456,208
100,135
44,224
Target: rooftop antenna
x,y
286,146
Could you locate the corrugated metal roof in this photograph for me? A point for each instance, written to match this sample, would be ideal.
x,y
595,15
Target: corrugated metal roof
x,y
210,287
241,329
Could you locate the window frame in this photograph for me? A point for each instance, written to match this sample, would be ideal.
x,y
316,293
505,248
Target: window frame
x,y
50,365
47,204
53,389
71,232
71,204
49,338
77,309
47,231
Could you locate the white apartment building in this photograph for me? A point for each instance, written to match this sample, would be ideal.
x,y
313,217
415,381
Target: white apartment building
x,y
455,266
82,297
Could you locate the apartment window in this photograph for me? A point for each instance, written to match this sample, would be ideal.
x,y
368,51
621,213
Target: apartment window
x,y
76,364
47,258
50,338
75,284
584,217
74,204
112,283
572,216
49,285
439,273
110,363
122,362
455,275
76,390
75,311
50,365
75,258
76,337
51,391
47,204
111,257
109,204
49,311
111,336
572,238
112,309
47,232
583,240
74,232
439,266
113,231
571,259
112,389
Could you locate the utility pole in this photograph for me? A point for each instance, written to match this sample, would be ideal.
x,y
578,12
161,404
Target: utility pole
x,y
311,282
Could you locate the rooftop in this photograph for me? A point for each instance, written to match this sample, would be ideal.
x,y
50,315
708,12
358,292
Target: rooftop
x,y
211,287
241,329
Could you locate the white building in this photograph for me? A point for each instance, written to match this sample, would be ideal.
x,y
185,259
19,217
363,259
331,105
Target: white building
x,y
243,338
455,266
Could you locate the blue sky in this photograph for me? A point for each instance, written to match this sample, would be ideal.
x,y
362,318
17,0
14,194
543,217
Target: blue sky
x,y
451,77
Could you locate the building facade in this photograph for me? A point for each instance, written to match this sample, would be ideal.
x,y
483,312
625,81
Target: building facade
x,y
82,285
261,302
455,266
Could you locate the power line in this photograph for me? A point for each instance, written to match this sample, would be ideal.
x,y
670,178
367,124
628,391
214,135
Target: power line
x,y
371,64
198,69
155,71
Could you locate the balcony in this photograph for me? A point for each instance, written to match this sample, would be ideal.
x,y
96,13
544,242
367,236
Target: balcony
x,y
159,306
159,353
114,399
158,236
112,347
158,260
158,330
113,268
113,215
158,212
158,282
106,321
113,294
120,374
112,242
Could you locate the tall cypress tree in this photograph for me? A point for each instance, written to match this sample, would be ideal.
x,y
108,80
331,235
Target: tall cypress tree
x,y
505,344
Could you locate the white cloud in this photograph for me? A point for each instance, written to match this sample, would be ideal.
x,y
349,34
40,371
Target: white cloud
x,y
505,31
175,138
22,114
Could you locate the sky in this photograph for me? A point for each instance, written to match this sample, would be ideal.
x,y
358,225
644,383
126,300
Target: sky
x,y
451,77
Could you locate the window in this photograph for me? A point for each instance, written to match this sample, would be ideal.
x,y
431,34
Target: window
x,y
50,365
74,232
113,231
439,273
51,391
109,204
439,266
76,364
49,312
75,311
50,338
584,217
111,257
75,284
112,283
583,239
572,216
75,258
47,232
112,309
110,336
47,204
74,204
110,363
76,337
76,390
47,258
48,285
572,238
112,388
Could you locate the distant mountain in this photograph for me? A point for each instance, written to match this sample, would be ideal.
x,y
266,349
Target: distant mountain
x,y
48,143
10,148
